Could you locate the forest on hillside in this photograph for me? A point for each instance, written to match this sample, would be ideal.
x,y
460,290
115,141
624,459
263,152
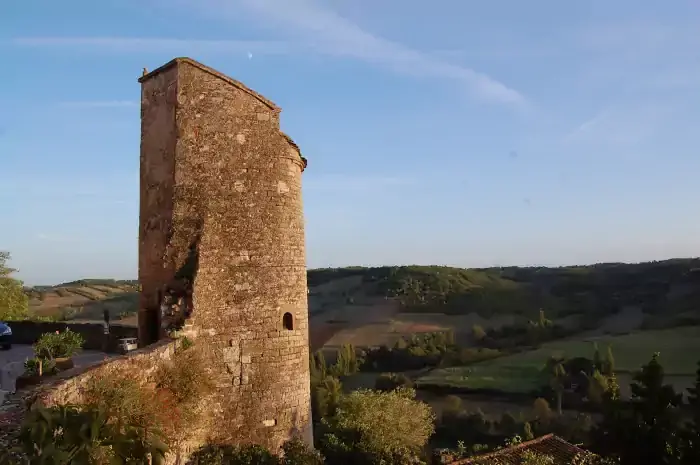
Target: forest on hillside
x,y
669,288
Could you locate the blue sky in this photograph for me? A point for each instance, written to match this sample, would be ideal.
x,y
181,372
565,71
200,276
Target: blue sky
x,y
453,132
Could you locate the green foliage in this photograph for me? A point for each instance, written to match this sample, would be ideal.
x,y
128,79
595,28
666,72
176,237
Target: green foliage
x,y
392,381
14,304
597,387
346,362
645,430
381,427
542,411
123,397
297,452
527,431
184,377
691,429
31,366
597,359
554,369
58,345
594,291
66,435
533,458
409,353
325,397
235,455
609,362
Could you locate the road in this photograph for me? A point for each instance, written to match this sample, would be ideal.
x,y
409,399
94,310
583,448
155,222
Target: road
x,y
12,363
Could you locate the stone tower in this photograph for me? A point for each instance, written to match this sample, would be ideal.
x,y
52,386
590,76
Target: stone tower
x,y
221,246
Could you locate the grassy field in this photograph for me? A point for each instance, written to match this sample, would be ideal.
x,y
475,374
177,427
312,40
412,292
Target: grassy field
x,y
679,348
84,300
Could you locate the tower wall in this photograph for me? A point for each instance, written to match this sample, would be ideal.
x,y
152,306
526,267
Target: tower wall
x,y
222,228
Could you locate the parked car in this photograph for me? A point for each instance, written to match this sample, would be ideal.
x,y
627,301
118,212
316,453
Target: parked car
x,y
5,336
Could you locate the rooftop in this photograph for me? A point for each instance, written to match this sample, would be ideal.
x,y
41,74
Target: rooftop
x,y
213,72
561,452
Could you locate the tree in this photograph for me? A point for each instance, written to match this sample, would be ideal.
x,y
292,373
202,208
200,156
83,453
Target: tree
x,y
691,430
391,381
527,431
597,387
609,363
597,359
325,397
346,363
542,411
14,303
646,430
377,427
557,376
478,332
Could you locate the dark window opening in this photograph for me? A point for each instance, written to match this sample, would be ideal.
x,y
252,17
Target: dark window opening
x,y
288,321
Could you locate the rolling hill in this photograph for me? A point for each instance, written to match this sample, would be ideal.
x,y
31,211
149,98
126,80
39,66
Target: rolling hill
x,y
375,305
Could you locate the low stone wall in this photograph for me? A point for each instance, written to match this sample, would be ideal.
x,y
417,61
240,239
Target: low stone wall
x,y
28,332
67,388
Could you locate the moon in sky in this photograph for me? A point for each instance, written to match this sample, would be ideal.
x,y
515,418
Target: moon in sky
x,y
250,55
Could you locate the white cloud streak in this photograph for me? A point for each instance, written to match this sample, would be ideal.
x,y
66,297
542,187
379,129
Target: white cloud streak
x,y
157,45
311,28
332,34
622,126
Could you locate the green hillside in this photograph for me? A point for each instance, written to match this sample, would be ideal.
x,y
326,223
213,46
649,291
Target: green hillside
x,y
663,289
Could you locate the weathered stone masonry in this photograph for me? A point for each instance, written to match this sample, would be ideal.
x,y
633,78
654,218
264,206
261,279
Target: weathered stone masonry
x,y
221,249
222,229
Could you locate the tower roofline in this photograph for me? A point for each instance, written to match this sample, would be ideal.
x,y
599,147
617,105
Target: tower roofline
x,y
213,72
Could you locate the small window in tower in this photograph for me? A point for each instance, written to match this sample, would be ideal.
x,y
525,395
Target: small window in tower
x,y
288,321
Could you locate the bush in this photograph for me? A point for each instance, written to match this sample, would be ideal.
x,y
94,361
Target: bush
x,y
184,376
58,345
296,452
127,401
68,434
378,427
391,381
31,367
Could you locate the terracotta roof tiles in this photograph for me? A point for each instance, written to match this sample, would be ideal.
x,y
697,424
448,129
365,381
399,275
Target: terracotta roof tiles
x,y
561,451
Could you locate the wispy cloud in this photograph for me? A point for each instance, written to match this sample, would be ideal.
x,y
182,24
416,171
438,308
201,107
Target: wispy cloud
x,y
622,126
309,27
157,45
332,34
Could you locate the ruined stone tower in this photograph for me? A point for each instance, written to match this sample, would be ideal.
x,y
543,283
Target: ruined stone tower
x,y
221,245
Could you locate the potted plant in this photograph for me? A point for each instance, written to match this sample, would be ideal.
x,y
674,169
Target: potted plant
x,y
59,347
34,370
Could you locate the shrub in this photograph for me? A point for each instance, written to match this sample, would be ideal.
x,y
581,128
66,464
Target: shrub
x,y
296,452
68,434
184,376
391,381
388,427
31,367
127,401
58,345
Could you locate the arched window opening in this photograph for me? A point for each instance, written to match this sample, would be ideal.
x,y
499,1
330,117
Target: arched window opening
x,y
288,321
